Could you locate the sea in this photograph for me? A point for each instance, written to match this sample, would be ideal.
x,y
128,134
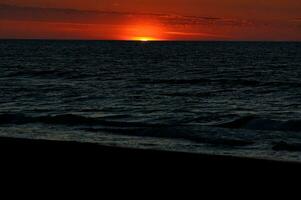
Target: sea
x,y
219,98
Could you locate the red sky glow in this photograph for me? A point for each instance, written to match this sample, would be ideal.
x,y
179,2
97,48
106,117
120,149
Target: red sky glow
x,y
145,20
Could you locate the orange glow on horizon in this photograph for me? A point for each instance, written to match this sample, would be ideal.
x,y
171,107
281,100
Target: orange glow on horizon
x,y
151,20
144,39
144,32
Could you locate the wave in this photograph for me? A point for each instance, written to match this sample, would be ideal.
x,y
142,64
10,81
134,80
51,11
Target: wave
x,y
175,81
14,119
103,125
283,146
248,122
190,94
255,123
69,119
242,82
38,73
174,132
49,74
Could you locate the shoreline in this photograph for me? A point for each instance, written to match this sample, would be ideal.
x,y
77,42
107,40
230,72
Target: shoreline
x,y
65,152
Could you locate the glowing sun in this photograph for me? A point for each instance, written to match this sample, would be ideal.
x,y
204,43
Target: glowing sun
x,y
144,32
144,39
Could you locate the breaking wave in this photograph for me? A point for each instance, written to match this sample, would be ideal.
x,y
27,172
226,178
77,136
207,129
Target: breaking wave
x,y
125,128
254,123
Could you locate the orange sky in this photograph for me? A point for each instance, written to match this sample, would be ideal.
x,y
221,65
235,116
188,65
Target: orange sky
x,y
151,19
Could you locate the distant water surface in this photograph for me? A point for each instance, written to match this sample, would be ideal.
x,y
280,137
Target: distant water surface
x,y
236,98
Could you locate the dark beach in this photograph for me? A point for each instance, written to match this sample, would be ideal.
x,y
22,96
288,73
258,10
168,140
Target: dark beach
x,y
126,161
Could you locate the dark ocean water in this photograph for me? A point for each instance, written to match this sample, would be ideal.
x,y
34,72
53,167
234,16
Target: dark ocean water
x,y
211,97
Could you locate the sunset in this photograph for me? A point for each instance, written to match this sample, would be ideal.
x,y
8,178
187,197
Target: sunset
x,y
143,32
122,85
160,20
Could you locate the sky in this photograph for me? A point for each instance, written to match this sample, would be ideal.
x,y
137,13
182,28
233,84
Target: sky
x,y
233,20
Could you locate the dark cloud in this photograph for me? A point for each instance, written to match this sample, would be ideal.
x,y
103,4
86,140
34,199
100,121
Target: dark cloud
x,y
297,23
8,12
196,20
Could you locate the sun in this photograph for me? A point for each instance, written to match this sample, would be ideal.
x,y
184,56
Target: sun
x,y
143,39
143,32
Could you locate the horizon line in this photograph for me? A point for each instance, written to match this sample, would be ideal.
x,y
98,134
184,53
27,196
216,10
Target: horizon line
x,y
151,41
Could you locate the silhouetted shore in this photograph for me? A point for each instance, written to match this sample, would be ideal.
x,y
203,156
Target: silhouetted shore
x,y
103,157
